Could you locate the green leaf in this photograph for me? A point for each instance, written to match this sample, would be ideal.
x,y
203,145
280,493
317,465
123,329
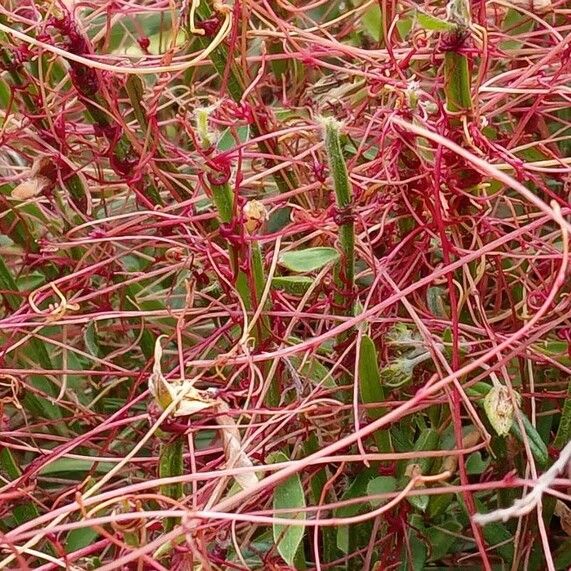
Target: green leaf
x,y
357,489
371,390
536,444
432,23
288,495
4,96
135,89
227,141
79,538
75,465
30,281
441,538
171,463
372,22
7,287
308,260
9,468
295,285
370,387
279,66
312,369
457,82
43,406
495,534
475,464
414,551
404,26
279,219
318,481
428,440
435,297
564,431
515,25
24,224
381,485
90,338
563,556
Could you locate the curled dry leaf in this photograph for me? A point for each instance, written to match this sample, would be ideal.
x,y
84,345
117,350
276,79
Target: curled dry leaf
x,y
191,401
188,399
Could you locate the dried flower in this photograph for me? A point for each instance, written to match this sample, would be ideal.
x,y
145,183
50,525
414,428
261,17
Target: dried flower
x,y
499,409
255,214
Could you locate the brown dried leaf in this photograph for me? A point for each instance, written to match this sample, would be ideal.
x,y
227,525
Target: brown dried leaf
x,y
534,6
31,187
192,401
563,512
235,455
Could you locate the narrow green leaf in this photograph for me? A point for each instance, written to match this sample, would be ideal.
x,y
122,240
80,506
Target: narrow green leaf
x,y
435,299
77,190
42,406
371,390
8,287
22,224
28,282
75,466
90,339
318,480
279,66
432,23
10,470
223,198
295,285
288,495
537,446
136,93
457,82
563,556
171,463
564,431
357,489
495,534
370,387
308,260
344,274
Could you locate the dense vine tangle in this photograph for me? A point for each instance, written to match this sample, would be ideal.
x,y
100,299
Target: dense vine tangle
x,y
162,163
